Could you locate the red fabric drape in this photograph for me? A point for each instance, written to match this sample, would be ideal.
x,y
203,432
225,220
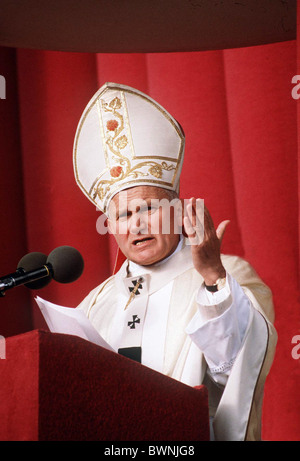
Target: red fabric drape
x,y
241,156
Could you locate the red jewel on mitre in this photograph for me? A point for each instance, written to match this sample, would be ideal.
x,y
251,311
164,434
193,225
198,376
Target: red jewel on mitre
x,y
112,125
115,171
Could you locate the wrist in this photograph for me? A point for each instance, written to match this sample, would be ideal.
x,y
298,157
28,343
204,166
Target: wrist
x,y
211,278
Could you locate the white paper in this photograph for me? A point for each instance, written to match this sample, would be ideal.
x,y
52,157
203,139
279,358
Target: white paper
x,y
70,321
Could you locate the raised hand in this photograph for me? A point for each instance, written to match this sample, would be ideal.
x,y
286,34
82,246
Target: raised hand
x,y
205,241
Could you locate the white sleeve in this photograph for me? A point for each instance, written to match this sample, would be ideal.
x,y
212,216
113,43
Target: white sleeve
x,y
219,325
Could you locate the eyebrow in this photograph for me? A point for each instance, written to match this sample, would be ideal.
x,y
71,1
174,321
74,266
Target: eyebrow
x,y
125,209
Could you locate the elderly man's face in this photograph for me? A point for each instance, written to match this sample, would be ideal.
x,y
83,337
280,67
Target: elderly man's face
x,y
144,225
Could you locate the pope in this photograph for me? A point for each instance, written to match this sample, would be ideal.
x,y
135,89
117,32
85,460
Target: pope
x,y
177,304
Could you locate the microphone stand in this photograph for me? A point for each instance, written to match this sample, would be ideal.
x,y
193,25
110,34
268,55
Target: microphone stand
x,y
20,277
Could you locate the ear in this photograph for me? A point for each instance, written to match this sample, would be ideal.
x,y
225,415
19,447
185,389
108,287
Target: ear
x,y
111,224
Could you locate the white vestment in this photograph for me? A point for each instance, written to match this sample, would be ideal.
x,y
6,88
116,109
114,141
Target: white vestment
x,y
224,340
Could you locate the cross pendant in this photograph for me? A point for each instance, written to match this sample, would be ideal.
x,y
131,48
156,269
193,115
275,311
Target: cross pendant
x,y
132,294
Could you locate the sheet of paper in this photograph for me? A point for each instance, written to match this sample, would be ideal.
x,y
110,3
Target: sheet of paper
x,y
67,320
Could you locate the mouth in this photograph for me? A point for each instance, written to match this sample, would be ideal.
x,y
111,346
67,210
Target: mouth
x,y
142,241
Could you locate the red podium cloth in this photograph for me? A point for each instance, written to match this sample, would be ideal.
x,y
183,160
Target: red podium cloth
x,y
60,387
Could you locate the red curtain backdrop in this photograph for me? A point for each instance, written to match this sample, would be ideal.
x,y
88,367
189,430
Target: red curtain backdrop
x,y
240,121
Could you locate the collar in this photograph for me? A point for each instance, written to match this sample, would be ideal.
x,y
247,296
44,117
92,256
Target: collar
x,y
155,276
134,268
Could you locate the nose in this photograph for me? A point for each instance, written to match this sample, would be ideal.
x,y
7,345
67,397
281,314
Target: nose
x,y
138,223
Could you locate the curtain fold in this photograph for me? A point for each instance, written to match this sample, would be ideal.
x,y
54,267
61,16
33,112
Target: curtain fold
x,y
241,156
53,91
263,126
15,315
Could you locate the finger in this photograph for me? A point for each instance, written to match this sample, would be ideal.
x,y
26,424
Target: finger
x,y
190,211
209,228
200,217
196,218
208,219
191,214
195,211
221,229
199,209
188,226
192,234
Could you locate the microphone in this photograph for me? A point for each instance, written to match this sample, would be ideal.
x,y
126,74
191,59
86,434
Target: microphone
x,y
35,270
27,266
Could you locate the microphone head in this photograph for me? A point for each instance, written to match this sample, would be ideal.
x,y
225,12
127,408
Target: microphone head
x,y
31,262
67,264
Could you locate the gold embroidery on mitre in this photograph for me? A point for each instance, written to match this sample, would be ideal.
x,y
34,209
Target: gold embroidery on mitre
x,y
116,140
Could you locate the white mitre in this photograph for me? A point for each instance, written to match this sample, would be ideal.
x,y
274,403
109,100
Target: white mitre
x,y
125,139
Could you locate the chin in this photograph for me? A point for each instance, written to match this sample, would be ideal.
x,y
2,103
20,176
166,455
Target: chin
x,y
144,260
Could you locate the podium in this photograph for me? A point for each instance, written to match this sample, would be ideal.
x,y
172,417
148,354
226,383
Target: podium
x,y
61,387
